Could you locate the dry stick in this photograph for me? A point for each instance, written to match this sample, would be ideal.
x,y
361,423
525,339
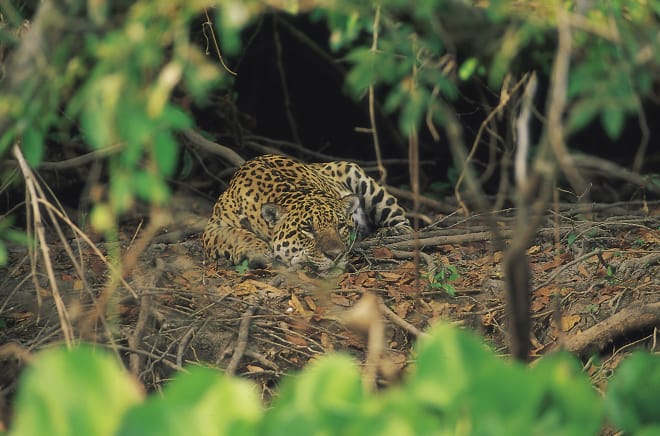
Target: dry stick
x,y
78,266
135,339
638,162
65,322
91,245
213,147
241,341
558,87
559,270
156,357
15,350
504,100
183,344
595,338
158,220
372,113
285,88
81,160
396,319
515,265
614,170
376,341
208,23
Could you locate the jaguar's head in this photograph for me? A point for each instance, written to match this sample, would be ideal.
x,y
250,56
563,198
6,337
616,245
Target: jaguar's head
x,y
314,231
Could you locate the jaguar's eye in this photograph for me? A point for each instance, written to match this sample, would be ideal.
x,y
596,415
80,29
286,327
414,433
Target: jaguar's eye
x,y
307,233
307,229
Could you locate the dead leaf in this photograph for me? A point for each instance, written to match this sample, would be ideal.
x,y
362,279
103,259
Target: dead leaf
x,y
467,308
295,303
254,369
651,236
390,277
383,253
325,342
583,270
538,304
359,279
340,300
408,265
487,319
296,340
402,308
569,321
608,254
556,262
310,303
533,249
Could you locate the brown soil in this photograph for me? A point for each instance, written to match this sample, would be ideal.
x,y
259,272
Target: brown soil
x,y
596,291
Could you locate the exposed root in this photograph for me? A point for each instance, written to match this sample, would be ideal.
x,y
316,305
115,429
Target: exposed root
x,y
629,320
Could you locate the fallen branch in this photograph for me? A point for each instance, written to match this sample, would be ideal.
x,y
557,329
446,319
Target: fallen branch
x,y
396,319
597,337
213,147
406,242
604,166
241,341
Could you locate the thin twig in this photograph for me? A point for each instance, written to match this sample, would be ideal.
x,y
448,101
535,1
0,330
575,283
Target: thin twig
x,y
209,24
396,319
372,113
135,339
28,176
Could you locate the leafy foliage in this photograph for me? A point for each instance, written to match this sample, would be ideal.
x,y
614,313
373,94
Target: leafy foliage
x,y
440,278
79,392
457,385
117,84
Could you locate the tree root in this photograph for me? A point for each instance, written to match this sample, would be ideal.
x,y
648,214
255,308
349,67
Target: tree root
x,y
597,337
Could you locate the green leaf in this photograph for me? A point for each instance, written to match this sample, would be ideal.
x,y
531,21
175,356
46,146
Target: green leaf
x,y
166,152
122,187
135,127
175,118
201,402
102,218
150,187
33,146
445,362
569,405
4,255
468,68
243,267
582,114
326,398
633,394
78,392
612,119
96,128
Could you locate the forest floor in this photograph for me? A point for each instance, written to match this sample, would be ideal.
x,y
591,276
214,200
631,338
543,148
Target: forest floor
x,y
595,291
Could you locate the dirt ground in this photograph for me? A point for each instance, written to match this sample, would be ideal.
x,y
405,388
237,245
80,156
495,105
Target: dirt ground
x,y
595,274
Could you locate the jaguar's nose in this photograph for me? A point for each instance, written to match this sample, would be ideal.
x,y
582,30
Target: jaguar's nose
x,y
332,247
333,252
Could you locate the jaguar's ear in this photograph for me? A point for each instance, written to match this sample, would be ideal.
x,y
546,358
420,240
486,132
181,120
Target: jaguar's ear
x,y
272,212
350,203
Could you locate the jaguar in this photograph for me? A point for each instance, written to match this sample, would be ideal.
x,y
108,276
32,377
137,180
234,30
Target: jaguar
x,y
279,210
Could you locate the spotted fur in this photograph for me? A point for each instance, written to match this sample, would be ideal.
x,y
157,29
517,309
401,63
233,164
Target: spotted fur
x,y
298,214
